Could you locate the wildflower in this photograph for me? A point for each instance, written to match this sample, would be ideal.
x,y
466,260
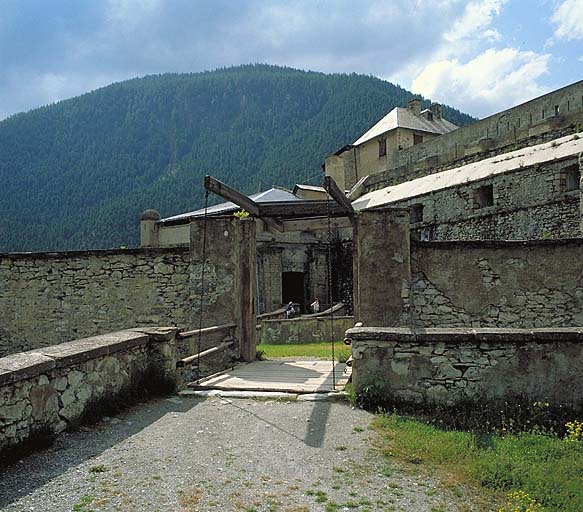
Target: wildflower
x,y
574,431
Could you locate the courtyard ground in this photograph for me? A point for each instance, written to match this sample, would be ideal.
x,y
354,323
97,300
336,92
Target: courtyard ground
x,y
221,454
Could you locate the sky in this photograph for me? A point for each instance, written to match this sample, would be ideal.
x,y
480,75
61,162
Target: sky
x,y
480,56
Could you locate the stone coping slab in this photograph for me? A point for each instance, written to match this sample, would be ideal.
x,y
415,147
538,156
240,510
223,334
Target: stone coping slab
x,y
138,251
25,365
458,335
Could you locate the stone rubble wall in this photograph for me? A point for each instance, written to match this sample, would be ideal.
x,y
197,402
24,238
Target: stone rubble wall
x,y
453,366
48,298
45,392
496,284
303,330
529,203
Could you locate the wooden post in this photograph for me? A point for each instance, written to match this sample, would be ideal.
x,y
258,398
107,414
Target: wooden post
x,y
245,314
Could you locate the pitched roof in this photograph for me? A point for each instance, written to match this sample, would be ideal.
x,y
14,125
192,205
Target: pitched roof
x,y
275,194
401,117
506,162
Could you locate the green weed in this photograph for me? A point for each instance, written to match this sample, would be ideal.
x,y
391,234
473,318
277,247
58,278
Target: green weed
x,y
544,467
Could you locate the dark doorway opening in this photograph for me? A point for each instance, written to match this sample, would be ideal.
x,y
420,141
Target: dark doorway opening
x,y
292,288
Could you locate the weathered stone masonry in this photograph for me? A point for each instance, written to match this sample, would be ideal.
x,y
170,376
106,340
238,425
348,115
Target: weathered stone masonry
x,y
451,366
50,390
496,284
47,298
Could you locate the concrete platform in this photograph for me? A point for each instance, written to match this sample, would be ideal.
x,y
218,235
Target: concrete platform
x,y
288,376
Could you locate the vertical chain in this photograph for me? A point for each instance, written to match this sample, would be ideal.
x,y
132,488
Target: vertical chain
x,y
199,342
330,299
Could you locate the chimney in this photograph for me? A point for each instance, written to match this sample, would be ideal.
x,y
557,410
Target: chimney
x,y
436,110
414,106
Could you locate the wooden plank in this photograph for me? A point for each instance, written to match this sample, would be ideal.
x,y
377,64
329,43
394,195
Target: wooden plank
x,y
206,330
205,353
332,188
300,209
288,376
219,188
315,224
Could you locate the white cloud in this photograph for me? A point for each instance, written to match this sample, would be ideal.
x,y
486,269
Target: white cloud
x,y
477,16
492,81
568,18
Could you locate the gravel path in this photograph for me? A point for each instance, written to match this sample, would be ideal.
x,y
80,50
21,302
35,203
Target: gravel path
x,y
219,454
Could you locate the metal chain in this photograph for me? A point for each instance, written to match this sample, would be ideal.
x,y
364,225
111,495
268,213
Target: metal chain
x,y
330,290
199,342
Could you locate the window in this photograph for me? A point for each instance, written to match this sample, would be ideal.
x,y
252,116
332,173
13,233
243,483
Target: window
x,y
430,116
382,147
417,139
556,110
484,196
416,213
572,178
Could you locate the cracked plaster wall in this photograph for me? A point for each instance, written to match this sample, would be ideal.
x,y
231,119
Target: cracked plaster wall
x,y
497,284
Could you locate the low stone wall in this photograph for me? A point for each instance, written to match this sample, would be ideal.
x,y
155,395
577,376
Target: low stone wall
x,y
303,329
45,392
451,366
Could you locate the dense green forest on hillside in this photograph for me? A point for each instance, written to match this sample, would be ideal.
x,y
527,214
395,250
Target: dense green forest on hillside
x,y
78,174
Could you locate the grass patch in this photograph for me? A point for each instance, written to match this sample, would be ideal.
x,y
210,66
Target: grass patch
x,y
312,350
82,504
528,469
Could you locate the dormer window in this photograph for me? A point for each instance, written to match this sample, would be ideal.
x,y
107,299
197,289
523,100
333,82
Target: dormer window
x,y
382,147
430,116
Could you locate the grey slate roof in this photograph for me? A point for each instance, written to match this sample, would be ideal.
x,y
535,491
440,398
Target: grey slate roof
x,y
401,117
275,194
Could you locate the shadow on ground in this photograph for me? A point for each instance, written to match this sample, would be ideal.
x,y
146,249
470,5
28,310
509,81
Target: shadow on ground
x,y
72,449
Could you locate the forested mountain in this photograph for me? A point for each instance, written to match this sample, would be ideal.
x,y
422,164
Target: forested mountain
x,y
78,174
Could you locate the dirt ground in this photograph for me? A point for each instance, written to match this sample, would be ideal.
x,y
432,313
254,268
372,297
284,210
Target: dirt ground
x,y
220,454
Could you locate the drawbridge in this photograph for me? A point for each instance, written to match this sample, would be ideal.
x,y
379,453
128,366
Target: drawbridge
x,y
300,376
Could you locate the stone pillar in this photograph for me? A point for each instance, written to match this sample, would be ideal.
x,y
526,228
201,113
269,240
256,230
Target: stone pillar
x,y
382,267
163,355
581,192
245,315
149,229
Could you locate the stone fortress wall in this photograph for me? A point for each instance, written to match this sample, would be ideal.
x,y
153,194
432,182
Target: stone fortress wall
x,y
49,298
496,284
542,119
532,202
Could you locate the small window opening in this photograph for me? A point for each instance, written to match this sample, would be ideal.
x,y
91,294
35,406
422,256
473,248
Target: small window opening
x,y
430,116
543,113
556,110
382,147
416,213
417,139
572,178
484,196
